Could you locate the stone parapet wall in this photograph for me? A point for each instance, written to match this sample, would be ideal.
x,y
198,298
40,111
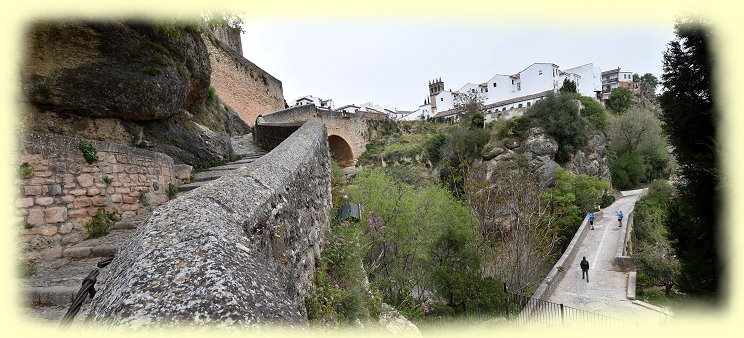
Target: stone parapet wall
x,y
245,87
64,191
241,250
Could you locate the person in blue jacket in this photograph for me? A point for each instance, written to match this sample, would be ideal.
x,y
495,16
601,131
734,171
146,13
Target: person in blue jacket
x,y
619,218
591,219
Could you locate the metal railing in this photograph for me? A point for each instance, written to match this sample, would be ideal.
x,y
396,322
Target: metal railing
x,y
540,313
88,289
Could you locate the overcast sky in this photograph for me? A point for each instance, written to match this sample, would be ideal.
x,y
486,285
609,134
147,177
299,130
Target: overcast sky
x,y
390,62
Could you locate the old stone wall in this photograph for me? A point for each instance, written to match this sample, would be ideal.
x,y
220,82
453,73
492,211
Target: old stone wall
x,y
229,36
245,87
61,191
240,250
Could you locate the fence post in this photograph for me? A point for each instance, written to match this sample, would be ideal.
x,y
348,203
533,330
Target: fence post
x,y
563,319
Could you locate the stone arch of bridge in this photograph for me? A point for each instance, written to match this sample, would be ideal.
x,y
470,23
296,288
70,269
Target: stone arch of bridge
x,y
341,151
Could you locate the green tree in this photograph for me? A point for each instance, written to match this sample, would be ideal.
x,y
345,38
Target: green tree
x,y
568,86
402,222
640,148
620,100
559,116
594,113
647,84
457,154
654,256
572,197
690,116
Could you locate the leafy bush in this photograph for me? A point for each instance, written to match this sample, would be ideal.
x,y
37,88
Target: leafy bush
x,y
26,170
99,225
559,117
477,120
606,201
516,126
461,148
654,256
212,96
594,113
433,146
172,191
574,196
107,180
627,170
620,100
142,198
89,152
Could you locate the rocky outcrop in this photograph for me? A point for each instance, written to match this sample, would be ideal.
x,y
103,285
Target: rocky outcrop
x,y
131,70
219,256
134,83
591,160
537,152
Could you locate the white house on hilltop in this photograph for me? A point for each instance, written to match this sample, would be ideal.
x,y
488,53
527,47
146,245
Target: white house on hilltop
x,y
318,102
614,78
536,78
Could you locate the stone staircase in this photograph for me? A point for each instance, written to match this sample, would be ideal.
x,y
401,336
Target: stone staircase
x,y
242,146
51,290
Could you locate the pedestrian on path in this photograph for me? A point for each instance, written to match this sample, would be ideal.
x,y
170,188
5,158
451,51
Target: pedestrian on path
x,y
591,219
585,269
619,218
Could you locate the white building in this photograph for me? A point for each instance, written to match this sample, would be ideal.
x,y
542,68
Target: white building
x,y
349,108
536,78
614,78
318,102
422,113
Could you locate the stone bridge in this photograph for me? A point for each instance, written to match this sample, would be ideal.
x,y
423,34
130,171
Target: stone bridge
x,y
348,133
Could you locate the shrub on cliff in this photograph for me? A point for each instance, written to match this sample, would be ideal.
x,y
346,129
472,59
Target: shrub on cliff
x,y
559,116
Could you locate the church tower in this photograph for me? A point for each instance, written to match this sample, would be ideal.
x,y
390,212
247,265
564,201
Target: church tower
x,y
435,87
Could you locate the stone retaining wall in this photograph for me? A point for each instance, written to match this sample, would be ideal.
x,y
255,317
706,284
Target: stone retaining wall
x,y
240,250
63,191
245,87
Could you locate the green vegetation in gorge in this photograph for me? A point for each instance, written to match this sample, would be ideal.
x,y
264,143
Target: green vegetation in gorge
x,y
652,250
572,197
637,149
620,100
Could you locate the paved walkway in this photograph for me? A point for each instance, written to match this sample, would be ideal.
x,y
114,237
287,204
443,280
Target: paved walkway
x,y
606,291
51,290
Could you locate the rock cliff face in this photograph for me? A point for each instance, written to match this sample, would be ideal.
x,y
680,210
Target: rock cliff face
x,y
537,152
114,80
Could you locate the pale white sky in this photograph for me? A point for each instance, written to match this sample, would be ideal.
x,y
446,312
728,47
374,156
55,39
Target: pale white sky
x,y
390,62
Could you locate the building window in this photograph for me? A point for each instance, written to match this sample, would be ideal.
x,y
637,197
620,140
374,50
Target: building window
x,y
494,84
520,106
441,99
539,72
528,104
519,86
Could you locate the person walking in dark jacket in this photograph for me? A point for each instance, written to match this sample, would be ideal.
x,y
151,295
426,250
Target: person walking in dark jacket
x,y
585,269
